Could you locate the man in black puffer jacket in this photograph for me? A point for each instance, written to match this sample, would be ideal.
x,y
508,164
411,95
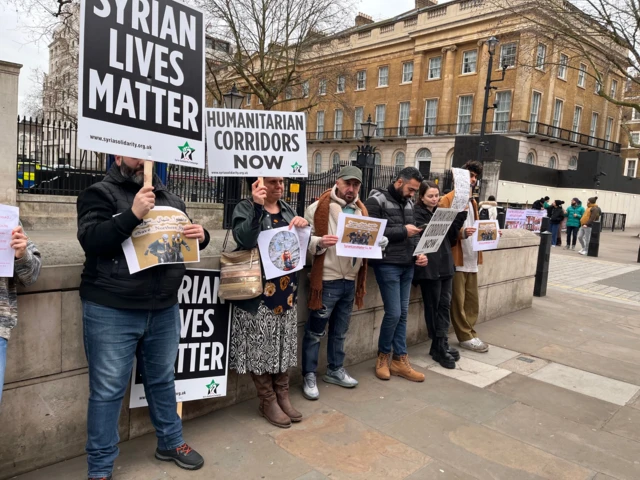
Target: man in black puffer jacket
x,y
394,271
122,312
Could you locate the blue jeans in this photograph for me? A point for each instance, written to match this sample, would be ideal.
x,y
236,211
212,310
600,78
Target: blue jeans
x,y
337,304
555,228
111,337
395,287
3,362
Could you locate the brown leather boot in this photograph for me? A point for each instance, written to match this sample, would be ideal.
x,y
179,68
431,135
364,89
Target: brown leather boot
x,y
269,407
281,386
382,366
401,367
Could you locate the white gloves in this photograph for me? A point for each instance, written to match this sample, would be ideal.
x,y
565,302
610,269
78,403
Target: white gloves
x,y
384,241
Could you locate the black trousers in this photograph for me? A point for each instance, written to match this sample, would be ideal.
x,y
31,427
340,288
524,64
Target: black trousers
x,y
572,232
436,297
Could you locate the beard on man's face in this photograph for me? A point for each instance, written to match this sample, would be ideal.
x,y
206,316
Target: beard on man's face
x,y
131,173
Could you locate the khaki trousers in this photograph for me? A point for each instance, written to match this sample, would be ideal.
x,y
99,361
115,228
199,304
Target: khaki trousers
x,y
464,305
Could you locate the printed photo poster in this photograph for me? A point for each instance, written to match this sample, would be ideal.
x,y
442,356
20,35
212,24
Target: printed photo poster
x,y
159,240
283,251
515,218
436,231
256,143
533,220
9,219
487,235
202,363
358,236
141,80
462,189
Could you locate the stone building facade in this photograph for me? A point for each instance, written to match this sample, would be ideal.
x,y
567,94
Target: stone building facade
x,y
630,133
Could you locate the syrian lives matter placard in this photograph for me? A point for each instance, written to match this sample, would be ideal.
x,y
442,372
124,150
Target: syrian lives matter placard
x,y
202,363
141,80
256,143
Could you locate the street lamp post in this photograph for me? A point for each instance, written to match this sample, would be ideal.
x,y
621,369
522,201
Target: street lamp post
x,y
232,186
365,159
233,99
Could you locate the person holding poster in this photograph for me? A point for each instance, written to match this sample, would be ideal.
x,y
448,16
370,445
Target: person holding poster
x,y
25,271
465,306
335,282
436,278
264,330
129,310
394,271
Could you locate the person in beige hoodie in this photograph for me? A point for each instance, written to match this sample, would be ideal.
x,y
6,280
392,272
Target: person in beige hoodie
x,y
335,282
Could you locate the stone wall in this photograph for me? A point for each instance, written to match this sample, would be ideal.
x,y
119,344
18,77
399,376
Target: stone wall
x,y
43,414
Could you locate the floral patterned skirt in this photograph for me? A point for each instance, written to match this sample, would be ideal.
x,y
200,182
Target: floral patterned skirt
x,y
265,342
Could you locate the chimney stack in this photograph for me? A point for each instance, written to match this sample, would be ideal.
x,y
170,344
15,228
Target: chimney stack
x,y
425,3
363,19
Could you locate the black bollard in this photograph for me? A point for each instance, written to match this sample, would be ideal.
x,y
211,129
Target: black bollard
x,y
594,241
542,269
501,218
544,225
638,254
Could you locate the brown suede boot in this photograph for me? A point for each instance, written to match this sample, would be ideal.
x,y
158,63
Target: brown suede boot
x,y
382,366
269,407
281,386
401,367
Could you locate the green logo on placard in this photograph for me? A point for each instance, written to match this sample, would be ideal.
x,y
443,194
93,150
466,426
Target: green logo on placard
x,y
297,168
187,151
212,387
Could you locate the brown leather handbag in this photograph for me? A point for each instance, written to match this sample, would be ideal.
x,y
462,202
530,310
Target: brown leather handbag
x,y
240,275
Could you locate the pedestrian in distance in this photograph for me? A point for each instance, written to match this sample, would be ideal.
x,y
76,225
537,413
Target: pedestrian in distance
x,y
465,303
540,204
555,220
436,278
264,330
26,268
591,214
488,210
138,311
394,272
573,214
336,282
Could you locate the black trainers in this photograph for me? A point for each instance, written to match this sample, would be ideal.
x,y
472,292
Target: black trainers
x,y
184,456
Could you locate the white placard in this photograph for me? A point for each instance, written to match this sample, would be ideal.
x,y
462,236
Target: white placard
x,y
9,219
160,240
486,236
283,251
202,363
141,89
515,218
462,189
359,236
256,143
436,231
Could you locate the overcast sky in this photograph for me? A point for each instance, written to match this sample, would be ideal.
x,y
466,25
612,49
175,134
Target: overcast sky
x,y
17,46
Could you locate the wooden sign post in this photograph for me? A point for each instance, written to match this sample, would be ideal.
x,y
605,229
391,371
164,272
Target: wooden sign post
x,y
148,173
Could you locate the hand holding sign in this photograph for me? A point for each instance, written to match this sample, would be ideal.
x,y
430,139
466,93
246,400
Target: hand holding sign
x,y
143,202
258,192
19,242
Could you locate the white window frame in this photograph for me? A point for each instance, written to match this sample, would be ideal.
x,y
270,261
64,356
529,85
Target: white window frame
x,y
358,118
582,75
341,84
383,76
317,163
593,129
533,117
512,56
305,89
614,88
361,80
403,123
563,66
404,160
407,72
533,158
338,123
635,167
380,121
433,69
631,138
322,86
377,158
501,116
469,64
575,165
541,56
608,129
320,125
557,116
333,159
575,126
464,127
635,114
597,87
247,100
430,116
553,162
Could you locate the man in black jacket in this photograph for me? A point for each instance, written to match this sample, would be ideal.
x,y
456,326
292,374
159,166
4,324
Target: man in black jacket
x,y
394,272
122,312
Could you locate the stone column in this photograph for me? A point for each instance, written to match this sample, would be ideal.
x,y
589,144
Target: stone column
x,y
490,178
446,99
478,103
9,73
417,105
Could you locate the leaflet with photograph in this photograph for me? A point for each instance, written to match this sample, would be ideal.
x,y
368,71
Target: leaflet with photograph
x,y
487,235
359,236
283,251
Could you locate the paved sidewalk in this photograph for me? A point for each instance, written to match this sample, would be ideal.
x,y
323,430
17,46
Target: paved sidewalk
x,y
555,398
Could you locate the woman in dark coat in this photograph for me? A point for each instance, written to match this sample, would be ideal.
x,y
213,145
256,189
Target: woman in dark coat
x,y
555,220
264,333
436,279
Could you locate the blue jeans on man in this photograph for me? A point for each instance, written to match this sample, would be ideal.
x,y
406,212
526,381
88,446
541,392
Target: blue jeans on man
x,y
337,305
111,337
3,363
395,288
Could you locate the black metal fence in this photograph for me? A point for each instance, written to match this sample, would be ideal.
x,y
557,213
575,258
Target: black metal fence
x,y
194,184
49,160
613,221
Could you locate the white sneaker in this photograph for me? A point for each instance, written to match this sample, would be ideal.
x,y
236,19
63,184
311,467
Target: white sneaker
x,y
340,377
583,252
310,387
475,345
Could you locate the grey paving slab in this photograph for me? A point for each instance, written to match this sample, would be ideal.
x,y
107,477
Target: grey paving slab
x,y
556,400
597,450
473,372
495,356
437,470
481,452
602,476
625,423
610,350
626,281
314,475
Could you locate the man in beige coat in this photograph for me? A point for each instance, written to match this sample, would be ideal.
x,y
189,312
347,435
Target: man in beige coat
x,y
336,282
